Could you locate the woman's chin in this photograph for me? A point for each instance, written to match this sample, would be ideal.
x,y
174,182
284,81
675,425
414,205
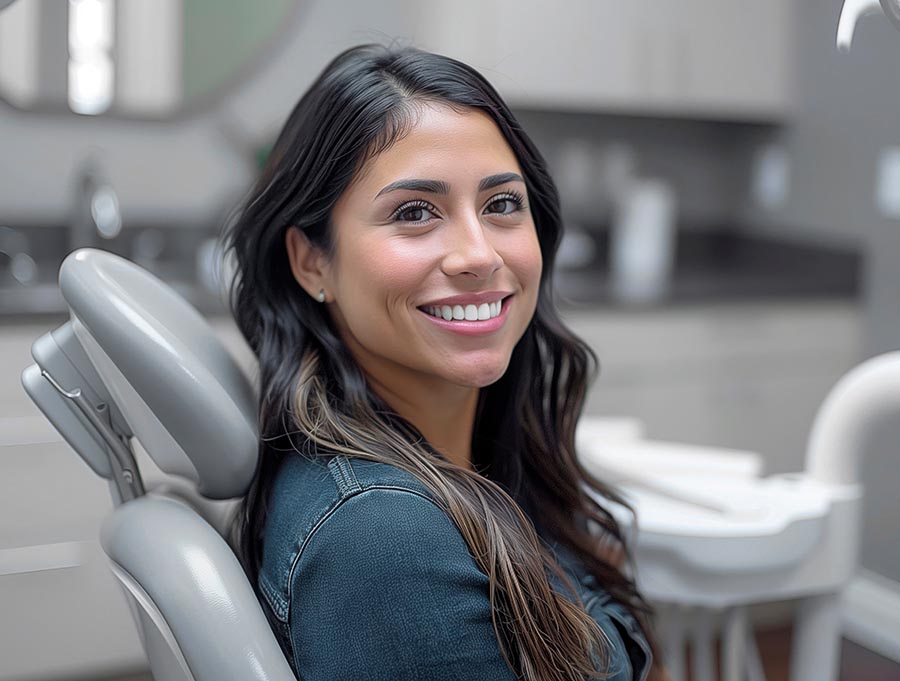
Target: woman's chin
x,y
479,376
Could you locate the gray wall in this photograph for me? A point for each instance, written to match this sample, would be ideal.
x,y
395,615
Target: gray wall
x,y
848,109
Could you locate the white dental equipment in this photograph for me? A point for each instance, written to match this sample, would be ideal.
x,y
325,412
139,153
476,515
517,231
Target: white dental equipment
x,y
713,537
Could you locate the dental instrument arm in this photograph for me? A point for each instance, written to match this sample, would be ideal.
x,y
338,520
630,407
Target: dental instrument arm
x,y
854,10
863,397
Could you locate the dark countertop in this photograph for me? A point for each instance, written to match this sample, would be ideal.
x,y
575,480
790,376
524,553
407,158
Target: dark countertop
x,y
726,266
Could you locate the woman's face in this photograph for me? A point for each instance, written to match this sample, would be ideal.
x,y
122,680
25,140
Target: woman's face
x,y
435,228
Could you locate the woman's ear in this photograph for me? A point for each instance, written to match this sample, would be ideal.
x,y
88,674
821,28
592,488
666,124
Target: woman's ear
x,y
308,263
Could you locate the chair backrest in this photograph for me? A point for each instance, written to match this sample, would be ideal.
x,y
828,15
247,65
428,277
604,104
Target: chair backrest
x,y
152,367
180,391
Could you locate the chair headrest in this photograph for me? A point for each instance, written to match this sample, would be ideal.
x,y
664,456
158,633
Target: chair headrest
x,y
180,391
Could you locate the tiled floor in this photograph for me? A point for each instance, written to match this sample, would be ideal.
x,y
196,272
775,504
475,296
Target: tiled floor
x,y
857,663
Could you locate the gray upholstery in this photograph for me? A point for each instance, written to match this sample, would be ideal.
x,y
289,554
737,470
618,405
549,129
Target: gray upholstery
x,y
182,394
192,577
136,361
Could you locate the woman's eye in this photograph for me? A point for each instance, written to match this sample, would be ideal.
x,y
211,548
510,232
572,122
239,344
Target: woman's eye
x,y
414,212
504,205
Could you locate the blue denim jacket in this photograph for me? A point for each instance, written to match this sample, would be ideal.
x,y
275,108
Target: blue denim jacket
x,y
364,577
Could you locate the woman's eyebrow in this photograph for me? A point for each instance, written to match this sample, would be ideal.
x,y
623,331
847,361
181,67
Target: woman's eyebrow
x,y
492,181
441,187
433,186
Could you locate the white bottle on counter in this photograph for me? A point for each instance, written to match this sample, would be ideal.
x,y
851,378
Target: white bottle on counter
x,y
642,242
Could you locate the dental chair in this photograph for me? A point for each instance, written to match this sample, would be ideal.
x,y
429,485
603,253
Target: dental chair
x,y
136,362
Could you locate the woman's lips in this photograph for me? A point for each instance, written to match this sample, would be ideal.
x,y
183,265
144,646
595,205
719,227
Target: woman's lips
x,y
475,327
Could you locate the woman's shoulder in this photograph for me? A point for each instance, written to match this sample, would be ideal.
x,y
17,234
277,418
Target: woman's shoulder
x,y
382,586
366,501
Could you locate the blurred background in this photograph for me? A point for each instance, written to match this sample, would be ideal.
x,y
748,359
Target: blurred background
x,y
731,189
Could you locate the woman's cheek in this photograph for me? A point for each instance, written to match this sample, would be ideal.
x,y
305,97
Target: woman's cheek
x,y
527,261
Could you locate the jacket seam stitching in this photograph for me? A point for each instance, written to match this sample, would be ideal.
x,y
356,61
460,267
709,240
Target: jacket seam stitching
x,y
351,474
338,475
345,479
273,597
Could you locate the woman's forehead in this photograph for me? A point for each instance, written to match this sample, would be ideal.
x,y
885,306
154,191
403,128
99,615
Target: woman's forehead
x,y
456,147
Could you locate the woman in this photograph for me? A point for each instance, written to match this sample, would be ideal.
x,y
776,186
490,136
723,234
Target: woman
x,y
418,511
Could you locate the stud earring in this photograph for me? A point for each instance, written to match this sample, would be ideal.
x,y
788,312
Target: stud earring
x,y
321,296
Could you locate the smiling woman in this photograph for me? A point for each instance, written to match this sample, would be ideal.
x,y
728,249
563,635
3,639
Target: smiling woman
x,y
418,510
462,240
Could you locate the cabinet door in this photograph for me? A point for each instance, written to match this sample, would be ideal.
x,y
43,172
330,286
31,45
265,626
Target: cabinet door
x,y
63,613
572,55
732,57
751,377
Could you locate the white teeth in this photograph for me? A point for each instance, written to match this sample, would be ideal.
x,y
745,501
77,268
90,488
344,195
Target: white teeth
x,y
470,313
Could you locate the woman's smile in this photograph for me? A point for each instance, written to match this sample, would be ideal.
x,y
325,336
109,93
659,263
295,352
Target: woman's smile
x,y
469,315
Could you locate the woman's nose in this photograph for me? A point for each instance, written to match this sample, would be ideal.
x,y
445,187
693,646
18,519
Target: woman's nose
x,y
470,250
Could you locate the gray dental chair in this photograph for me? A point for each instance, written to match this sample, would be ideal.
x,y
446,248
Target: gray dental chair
x,y
136,361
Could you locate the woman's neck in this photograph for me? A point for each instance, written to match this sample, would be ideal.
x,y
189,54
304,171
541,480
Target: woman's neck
x,y
443,413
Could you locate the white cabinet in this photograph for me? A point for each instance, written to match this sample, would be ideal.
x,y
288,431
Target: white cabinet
x,y
63,614
735,57
748,376
727,59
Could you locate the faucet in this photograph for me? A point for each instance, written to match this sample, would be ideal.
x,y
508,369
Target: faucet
x,y
97,212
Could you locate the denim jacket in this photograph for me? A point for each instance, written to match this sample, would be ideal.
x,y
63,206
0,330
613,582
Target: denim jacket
x,y
365,577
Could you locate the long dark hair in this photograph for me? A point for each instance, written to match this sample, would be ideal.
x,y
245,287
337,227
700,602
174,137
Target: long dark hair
x,y
523,445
